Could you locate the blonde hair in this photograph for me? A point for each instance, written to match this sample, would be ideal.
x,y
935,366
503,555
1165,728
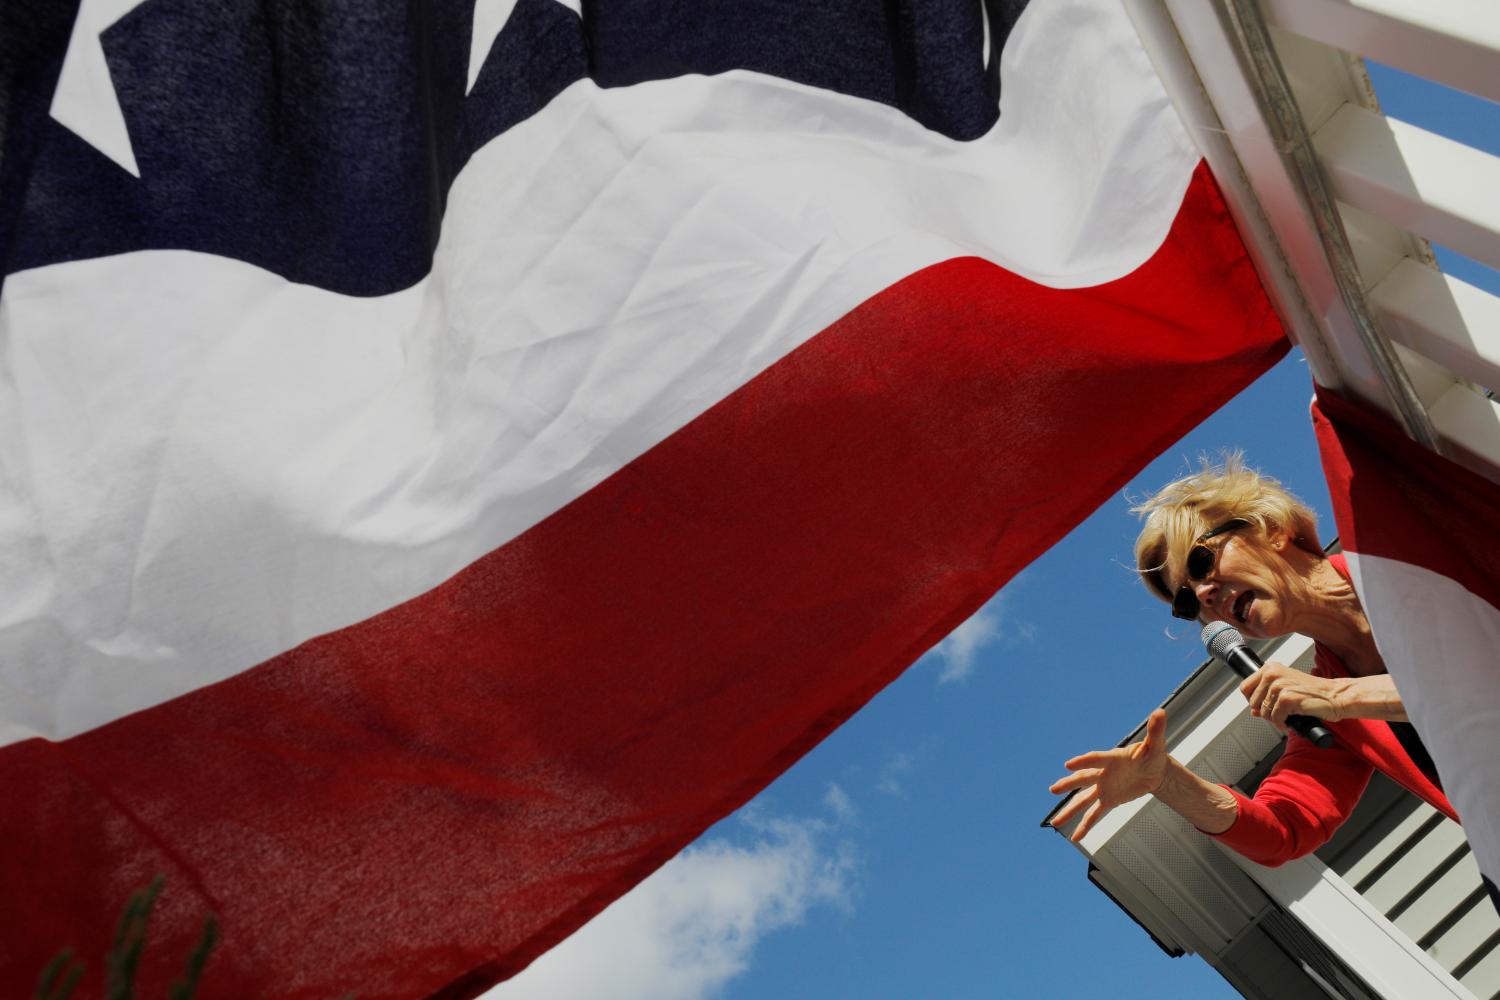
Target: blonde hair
x,y
1180,512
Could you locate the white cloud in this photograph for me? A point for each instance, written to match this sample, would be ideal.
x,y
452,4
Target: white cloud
x,y
958,652
692,926
839,803
893,775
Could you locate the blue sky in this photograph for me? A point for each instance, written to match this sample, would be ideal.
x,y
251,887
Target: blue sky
x,y
902,858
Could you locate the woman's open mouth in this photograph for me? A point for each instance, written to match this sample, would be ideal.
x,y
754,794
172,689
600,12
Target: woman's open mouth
x,y
1241,608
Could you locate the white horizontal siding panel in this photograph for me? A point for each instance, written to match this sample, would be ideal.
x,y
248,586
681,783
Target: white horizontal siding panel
x,y
1456,42
1421,181
1415,865
1377,854
1440,899
1484,978
1459,943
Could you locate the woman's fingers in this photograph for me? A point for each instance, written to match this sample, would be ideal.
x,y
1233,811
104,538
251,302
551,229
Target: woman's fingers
x,y
1156,730
1095,813
1258,693
1077,779
1072,807
1094,758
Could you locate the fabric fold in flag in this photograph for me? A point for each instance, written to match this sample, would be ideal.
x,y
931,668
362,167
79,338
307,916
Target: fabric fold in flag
x,y
1420,533
434,495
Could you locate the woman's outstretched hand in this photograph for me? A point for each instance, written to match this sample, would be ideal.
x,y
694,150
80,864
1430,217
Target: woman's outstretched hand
x,y
1108,778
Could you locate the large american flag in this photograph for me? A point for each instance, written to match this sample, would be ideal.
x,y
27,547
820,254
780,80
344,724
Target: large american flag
x,y
452,453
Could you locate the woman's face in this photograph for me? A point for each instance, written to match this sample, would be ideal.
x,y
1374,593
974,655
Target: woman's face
x,y
1252,586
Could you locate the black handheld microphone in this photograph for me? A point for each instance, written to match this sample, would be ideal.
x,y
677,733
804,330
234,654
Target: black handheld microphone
x,y
1224,642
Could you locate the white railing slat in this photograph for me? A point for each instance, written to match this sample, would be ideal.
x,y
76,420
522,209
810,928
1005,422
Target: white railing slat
x,y
1442,318
1456,42
1431,185
1471,425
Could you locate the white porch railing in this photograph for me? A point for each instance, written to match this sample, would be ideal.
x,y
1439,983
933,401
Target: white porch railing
x,y
1339,228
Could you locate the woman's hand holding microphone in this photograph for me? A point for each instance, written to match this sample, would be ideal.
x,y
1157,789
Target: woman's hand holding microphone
x,y
1276,691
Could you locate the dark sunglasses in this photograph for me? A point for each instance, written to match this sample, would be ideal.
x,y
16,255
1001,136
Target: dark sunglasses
x,y
1200,563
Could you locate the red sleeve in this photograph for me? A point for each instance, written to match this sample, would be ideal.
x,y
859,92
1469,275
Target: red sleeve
x,y
1305,798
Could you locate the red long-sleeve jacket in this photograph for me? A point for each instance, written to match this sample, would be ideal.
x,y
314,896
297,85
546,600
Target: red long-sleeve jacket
x,y
1311,791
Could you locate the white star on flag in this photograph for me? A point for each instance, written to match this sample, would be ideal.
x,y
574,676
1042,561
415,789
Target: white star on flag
x,y
85,101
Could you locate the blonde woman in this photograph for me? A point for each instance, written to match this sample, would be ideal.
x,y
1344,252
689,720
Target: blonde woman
x,y
1228,544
